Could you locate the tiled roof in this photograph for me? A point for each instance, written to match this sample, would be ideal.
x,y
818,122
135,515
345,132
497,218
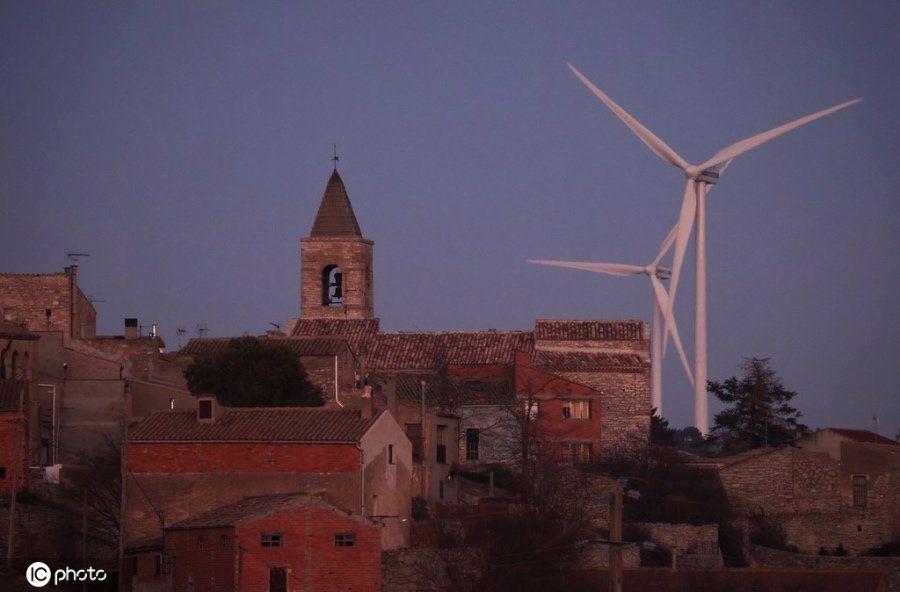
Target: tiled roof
x,y
254,424
358,332
302,346
557,330
864,436
10,392
335,216
459,391
579,361
423,351
245,510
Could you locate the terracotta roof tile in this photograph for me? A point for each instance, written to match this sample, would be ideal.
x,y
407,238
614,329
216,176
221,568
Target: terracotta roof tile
x,y
302,346
335,216
460,391
588,330
254,424
358,332
864,436
423,351
246,510
578,361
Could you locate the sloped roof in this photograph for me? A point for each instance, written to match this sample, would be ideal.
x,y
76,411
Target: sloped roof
x,y
301,346
459,390
335,216
357,332
580,361
254,424
246,510
588,330
423,351
864,436
10,392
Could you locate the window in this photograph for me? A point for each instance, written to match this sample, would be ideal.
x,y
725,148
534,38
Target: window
x,y
332,286
414,433
441,444
472,438
577,410
223,539
390,452
579,452
200,542
860,485
533,410
157,565
134,565
270,539
205,409
344,539
2,472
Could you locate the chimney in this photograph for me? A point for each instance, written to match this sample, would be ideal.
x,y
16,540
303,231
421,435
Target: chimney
x,y
390,394
131,329
361,359
366,399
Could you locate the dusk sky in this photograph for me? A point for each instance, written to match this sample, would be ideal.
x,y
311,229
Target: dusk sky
x,y
186,146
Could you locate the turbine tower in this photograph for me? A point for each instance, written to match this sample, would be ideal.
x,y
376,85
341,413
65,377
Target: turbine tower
x,y
657,274
693,208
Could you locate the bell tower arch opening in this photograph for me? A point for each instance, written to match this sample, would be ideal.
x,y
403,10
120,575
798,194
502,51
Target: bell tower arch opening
x,y
332,286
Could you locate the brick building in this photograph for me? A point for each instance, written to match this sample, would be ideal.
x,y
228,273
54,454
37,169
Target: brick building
x,y
178,464
272,543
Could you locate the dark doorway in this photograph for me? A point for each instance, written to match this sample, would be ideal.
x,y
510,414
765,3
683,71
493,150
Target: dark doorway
x,y
277,579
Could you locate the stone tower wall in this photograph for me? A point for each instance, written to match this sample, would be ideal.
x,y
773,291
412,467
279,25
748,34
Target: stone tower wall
x,y
354,257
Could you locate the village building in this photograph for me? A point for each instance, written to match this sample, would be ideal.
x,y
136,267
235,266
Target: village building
x,y
180,464
21,427
821,502
271,543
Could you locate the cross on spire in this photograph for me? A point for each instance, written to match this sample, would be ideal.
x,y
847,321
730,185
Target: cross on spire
x,y
335,157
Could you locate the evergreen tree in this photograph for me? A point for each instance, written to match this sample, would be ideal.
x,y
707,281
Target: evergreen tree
x,y
252,373
760,413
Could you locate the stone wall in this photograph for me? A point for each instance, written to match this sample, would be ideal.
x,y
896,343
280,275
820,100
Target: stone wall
x,y
354,257
765,557
698,545
26,298
436,570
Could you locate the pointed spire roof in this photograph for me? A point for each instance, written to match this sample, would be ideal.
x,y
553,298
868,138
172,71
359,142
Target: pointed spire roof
x,y
335,217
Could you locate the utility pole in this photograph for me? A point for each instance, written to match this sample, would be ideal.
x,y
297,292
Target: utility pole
x,y
84,538
11,539
423,453
615,542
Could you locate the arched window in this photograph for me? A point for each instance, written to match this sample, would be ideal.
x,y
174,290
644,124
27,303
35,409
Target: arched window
x,y
3,365
332,286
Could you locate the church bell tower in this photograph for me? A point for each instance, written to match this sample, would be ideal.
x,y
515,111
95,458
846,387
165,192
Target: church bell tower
x,y
336,261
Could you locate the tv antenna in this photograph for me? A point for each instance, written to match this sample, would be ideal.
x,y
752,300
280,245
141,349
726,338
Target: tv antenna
x,y
179,331
73,257
201,329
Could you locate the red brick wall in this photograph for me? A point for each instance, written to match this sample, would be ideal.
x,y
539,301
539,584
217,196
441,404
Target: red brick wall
x,y
8,428
240,457
309,552
211,566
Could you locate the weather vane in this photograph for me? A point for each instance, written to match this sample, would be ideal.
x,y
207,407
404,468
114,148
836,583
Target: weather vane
x,y
335,157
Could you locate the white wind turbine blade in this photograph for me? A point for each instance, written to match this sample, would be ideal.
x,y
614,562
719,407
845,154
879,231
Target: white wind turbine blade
x,y
659,148
665,246
685,225
739,148
662,301
607,268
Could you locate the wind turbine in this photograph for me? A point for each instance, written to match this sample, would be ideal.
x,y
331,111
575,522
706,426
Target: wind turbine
x,y
661,309
693,208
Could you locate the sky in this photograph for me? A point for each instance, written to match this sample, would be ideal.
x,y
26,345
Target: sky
x,y
186,146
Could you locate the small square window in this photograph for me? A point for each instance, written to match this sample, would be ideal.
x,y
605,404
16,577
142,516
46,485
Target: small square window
x,y
223,539
344,539
270,539
390,454
2,472
205,409
200,542
577,410
860,493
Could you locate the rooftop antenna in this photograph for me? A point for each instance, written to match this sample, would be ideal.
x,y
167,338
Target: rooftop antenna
x,y
875,421
92,300
276,325
73,257
201,329
179,331
335,158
